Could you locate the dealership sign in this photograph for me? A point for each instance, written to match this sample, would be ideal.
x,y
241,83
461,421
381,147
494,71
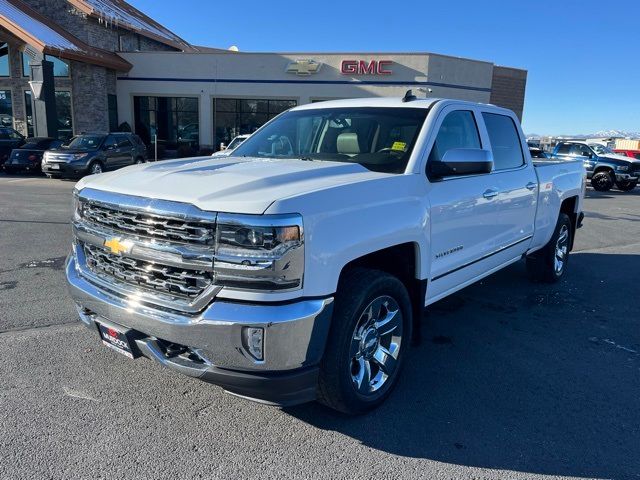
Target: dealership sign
x,y
366,67
303,67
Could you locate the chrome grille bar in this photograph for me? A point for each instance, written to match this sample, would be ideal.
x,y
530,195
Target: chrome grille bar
x,y
146,275
138,217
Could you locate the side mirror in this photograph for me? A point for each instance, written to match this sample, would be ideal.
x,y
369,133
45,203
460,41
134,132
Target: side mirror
x,y
463,161
110,147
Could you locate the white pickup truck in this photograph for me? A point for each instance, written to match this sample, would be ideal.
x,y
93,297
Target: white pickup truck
x,y
297,268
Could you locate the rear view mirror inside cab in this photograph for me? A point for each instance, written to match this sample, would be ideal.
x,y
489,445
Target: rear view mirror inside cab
x,y
462,161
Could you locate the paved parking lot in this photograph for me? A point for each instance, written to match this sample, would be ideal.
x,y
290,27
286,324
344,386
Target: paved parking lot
x,y
511,379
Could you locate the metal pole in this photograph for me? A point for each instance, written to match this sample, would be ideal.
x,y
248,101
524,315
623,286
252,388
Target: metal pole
x,y
155,143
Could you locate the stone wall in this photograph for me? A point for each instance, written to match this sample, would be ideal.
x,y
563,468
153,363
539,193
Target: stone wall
x,y
90,86
508,87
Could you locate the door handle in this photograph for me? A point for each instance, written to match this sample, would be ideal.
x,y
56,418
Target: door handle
x,y
531,186
489,194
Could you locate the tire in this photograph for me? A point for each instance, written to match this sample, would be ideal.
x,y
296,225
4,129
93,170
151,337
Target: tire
x,y
550,263
602,181
359,348
627,185
138,161
95,168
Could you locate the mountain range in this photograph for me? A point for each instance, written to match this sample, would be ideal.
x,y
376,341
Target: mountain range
x,y
599,134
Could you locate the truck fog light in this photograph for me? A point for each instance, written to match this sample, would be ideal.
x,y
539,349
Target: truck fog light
x,y
253,340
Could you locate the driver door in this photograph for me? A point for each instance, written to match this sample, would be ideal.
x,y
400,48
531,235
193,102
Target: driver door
x,y
464,226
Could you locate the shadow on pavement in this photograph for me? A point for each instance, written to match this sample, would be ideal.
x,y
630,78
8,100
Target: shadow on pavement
x,y
513,375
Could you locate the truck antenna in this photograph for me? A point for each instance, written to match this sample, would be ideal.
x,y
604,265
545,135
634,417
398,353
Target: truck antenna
x,y
409,96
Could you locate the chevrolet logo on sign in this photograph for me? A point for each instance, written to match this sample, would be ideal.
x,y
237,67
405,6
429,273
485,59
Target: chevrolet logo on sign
x,y
303,67
117,246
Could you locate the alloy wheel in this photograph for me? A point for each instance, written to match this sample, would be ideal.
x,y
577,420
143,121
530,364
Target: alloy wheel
x,y
562,249
375,345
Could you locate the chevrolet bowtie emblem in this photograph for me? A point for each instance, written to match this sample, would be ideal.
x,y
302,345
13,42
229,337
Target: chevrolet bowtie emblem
x,y
118,246
303,67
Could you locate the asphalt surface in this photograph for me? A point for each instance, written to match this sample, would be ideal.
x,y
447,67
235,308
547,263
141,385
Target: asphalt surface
x,y
511,379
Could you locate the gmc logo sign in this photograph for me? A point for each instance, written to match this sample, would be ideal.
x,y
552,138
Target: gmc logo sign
x,y
363,67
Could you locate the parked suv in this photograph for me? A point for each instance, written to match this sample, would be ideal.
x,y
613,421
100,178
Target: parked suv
x,y
92,153
604,167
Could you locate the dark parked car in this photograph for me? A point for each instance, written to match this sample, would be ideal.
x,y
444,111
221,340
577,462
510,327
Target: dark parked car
x,y
28,157
9,139
93,153
538,153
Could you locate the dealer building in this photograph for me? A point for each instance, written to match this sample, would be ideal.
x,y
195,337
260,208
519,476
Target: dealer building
x,y
113,64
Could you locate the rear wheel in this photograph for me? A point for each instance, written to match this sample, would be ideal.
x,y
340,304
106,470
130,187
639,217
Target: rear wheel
x,y
549,263
370,333
138,161
626,185
602,181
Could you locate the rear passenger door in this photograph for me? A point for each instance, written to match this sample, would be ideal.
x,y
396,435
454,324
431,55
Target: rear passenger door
x,y
517,183
109,148
126,151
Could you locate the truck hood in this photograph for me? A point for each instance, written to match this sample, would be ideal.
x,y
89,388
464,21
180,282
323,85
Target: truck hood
x,y
228,184
619,158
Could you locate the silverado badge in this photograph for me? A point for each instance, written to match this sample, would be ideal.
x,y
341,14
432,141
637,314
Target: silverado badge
x,y
118,246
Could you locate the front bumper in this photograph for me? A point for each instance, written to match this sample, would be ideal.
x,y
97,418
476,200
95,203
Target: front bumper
x,y
625,177
66,169
294,339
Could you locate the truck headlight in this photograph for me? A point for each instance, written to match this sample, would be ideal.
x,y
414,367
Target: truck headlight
x,y
259,252
622,168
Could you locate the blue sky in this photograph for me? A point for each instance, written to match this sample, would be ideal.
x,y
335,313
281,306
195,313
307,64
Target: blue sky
x,y
583,57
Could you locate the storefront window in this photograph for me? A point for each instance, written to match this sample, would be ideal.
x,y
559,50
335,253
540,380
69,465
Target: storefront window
x,y
60,67
6,109
63,110
175,120
239,116
4,60
28,108
112,101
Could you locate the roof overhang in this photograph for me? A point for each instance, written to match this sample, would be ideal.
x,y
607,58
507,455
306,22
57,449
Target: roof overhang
x,y
42,34
123,15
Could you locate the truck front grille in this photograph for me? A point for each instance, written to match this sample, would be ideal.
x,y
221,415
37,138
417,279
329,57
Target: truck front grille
x,y
148,276
147,225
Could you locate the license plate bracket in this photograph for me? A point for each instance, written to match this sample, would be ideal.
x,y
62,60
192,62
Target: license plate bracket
x,y
118,338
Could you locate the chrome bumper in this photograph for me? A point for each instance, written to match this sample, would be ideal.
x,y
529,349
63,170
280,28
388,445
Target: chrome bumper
x,y
294,333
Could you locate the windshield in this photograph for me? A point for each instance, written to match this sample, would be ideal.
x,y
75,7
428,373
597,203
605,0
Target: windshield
x,y
235,142
601,149
379,139
86,142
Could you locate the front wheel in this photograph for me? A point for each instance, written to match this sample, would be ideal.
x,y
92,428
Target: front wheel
x,y
549,263
626,185
95,168
602,181
369,336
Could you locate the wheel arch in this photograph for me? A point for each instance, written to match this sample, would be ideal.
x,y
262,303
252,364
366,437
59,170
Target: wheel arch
x,y
603,168
403,262
569,206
